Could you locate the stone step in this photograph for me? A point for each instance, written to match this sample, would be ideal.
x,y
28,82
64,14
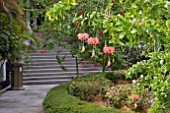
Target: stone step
x,y
51,56
58,66
32,70
53,60
47,66
52,77
71,62
49,53
41,82
58,73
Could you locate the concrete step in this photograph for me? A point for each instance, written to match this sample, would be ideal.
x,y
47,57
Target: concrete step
x,y
47,67
52,77
71,62
58,73
60,70
42,67
41,82
49,53
50,56
53,60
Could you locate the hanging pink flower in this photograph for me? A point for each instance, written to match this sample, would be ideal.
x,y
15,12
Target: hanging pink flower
x,y
83,36
108,63
90,40
135,97
108,49
83,49
135,105
93,54
93,40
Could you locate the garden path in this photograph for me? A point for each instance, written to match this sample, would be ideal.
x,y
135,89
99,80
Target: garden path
x,y
24,101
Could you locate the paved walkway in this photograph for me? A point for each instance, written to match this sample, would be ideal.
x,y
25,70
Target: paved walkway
x,y
24,101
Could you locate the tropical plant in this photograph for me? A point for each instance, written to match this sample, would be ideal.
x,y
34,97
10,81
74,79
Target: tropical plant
x,y
13,32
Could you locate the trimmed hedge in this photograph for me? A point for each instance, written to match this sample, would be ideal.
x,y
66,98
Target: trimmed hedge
x,y
59,101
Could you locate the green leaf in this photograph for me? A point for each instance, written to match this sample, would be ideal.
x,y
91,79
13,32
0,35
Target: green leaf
x,y
121,1
133,31
121,36
168,23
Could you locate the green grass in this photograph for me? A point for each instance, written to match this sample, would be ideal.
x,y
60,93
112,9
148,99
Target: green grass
x,y
59,101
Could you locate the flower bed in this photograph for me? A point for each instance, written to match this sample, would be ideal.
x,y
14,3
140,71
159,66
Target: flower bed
x,y
59,101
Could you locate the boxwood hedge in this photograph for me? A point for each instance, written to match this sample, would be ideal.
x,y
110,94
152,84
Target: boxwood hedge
x,y
59,101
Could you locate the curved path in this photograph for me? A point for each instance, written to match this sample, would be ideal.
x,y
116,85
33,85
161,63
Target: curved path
x,y
24,101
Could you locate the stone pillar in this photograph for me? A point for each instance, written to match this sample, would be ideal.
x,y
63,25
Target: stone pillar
x,y
16,76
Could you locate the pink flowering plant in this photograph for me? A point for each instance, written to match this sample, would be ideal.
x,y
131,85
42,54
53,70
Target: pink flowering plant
x,y
102,31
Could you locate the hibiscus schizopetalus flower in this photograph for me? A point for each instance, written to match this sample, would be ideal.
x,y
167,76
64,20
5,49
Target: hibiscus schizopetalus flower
x,y
135,97
83,49
93,54
93,40
83,36
108,49
108,63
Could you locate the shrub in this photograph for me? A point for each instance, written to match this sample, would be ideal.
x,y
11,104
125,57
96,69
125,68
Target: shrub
x,y
159,107
87,87
118,95
59,101
115,75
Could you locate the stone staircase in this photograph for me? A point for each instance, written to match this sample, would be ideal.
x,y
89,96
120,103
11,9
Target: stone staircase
x,y
45,69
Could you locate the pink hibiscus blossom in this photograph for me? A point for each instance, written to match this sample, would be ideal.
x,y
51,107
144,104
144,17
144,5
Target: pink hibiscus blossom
x,y
135,97
108,49
83,36
93,40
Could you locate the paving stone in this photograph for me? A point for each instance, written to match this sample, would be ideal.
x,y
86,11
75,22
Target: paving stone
x,y
24,101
